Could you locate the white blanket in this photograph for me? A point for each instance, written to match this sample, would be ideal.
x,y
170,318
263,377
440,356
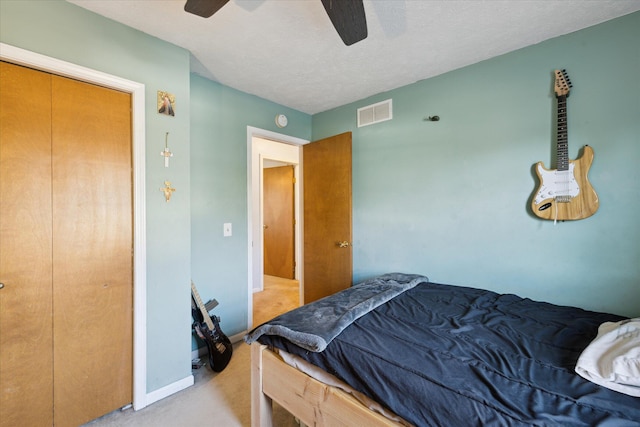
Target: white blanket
x,y
612,359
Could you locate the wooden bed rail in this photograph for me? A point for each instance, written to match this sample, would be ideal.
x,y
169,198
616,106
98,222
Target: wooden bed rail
x,y
312,402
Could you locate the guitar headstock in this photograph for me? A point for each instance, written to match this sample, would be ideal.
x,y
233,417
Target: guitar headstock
x,y
562,84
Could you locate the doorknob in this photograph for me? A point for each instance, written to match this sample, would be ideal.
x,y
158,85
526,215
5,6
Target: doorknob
x,y
343,244
1,285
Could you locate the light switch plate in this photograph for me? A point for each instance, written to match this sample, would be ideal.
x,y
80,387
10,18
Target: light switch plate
x,y
227,230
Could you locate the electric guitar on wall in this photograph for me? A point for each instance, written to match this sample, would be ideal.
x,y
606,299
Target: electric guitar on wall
x,y
208,329
565,193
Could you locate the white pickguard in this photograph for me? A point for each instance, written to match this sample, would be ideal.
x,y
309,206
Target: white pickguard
x,y
556,183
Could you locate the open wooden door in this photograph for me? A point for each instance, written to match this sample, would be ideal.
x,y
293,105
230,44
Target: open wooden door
x,y
328,257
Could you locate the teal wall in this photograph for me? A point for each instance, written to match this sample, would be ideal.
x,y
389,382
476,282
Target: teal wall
x,y
449,199
219,119
67,32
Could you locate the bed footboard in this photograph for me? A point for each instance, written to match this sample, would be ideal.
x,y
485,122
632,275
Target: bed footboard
x,y
311,401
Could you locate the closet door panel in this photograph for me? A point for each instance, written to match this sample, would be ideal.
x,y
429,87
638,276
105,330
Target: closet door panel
x,y
26,347
92,241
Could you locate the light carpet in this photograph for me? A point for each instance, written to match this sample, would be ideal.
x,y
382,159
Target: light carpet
x,y
216,399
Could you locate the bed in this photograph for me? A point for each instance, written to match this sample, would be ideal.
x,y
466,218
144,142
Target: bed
x,y
434,354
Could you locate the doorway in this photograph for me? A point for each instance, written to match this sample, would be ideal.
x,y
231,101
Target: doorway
x,y
324,262
266,149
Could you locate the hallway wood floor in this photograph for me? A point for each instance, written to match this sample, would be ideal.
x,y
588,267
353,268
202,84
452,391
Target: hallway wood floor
x,y
279,296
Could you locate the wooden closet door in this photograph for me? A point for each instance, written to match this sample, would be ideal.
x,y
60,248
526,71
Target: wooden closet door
x,y
26,348
92,251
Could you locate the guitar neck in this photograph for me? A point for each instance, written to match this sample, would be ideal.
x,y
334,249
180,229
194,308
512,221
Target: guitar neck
x,y
562,137
201,307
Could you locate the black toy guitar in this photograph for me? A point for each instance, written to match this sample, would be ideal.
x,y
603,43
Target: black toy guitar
x,y
208,329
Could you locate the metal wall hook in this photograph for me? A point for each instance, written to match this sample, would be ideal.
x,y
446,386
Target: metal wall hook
x,y
432,119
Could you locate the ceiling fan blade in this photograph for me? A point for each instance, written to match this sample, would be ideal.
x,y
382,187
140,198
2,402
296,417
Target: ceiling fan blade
x,y
348,18
204,8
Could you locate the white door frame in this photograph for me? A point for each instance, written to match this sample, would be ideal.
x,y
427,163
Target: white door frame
x,y
263,144
37,61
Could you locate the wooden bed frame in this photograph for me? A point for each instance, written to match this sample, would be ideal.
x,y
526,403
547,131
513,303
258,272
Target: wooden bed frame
x,y
311,401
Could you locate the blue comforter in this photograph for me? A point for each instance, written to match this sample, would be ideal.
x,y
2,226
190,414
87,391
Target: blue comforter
x,y
442,355
316,324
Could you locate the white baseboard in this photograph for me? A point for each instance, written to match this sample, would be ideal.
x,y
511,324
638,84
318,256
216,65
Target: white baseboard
x,y
170,389
237,337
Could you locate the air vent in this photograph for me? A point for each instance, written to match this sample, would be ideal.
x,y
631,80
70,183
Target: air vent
x,y
375,113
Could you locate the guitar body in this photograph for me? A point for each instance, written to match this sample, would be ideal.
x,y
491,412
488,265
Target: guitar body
x,y
218,344
208,329
565,195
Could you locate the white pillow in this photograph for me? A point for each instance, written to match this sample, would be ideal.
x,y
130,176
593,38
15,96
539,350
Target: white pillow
x,y
612,359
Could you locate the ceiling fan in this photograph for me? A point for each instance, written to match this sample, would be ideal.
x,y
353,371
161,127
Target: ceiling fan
x,y
347,16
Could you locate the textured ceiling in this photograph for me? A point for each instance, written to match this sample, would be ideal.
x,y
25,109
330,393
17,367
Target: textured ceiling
x,y
288,52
